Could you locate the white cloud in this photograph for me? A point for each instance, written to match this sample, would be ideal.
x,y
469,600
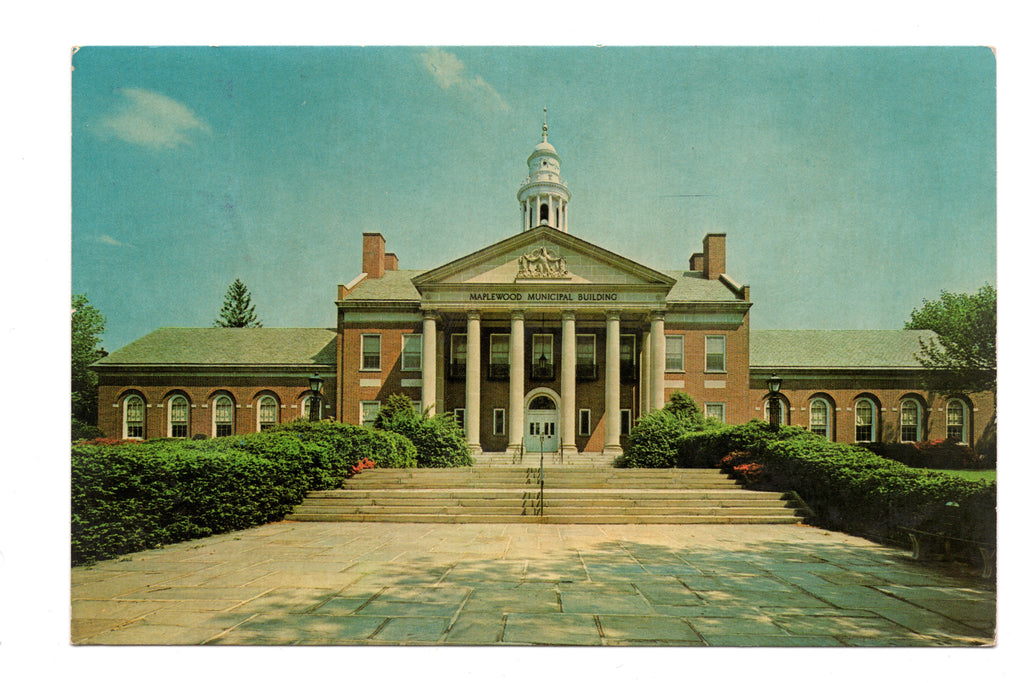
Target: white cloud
x,y
152,120
110,241
449,72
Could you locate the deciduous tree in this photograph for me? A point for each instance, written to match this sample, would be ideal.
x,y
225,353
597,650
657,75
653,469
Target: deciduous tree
x,y
964,354
87,326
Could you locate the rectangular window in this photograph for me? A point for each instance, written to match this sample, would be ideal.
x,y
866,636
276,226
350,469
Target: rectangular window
x,y
371,352
715,411
627,357
586,356
584,421
460,418
543,349
369,411
714,353
457,356
412,351
499,421
626,421
674,353
498,368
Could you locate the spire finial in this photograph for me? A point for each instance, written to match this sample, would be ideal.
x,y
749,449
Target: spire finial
x,y
545,133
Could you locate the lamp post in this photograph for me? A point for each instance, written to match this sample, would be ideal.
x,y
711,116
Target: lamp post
x,y
316,383
774,407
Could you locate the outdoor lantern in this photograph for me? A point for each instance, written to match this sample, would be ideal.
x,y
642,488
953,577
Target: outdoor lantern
x,y
774,405
316,383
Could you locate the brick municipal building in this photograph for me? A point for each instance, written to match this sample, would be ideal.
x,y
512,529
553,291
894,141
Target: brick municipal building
x,y
539,341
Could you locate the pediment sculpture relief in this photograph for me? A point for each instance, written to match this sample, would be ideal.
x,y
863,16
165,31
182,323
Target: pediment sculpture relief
x,y
541,263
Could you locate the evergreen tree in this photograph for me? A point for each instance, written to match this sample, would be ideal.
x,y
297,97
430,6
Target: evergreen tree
x,y
238,309
87,324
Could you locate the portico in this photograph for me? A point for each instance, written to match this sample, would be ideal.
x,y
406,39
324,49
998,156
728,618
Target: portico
x,y
544,354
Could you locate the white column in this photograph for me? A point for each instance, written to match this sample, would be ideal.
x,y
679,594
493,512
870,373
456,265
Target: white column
x,y
657,361
428,392
611,387
569,382
473,382
645,373
516,382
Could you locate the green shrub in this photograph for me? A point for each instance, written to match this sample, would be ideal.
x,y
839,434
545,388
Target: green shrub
x,y
653,441
128,496
849,487
941,454
83,430
439,441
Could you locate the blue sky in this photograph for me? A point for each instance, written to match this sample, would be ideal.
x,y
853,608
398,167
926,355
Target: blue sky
x,y
852,182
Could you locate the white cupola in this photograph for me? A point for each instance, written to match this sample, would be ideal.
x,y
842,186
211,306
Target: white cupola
x,y
543,197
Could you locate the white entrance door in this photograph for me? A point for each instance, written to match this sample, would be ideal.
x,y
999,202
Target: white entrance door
x,y
541,426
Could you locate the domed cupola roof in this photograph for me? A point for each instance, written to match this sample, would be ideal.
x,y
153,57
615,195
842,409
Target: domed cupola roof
x,y
543,196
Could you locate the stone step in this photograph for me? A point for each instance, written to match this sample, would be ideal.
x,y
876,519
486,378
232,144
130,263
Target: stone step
x,y
726,495
546,519
583,495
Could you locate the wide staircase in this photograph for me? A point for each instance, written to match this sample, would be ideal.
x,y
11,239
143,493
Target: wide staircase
x,y
570,495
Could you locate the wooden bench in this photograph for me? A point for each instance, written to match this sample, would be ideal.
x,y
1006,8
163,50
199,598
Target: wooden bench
x,y
925,543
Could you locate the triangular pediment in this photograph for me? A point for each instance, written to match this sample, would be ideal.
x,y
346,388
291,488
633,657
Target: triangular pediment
x,y
542,255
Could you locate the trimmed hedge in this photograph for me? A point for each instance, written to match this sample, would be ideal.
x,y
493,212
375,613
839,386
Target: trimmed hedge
x,y
132,496
849,487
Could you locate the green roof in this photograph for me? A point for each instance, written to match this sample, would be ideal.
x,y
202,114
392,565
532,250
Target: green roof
x,y
883,349
228,346
691,286
393,285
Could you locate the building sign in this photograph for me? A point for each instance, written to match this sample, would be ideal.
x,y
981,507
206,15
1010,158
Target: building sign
x,y
543,296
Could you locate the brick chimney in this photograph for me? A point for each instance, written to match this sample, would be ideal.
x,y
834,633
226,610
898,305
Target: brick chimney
x,y
373,254
390,261
714,255
697,262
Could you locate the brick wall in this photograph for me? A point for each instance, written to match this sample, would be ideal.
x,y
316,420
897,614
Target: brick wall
x,y
200,391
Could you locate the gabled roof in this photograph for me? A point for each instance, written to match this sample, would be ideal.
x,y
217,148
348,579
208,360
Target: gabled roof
x,y
228,346
840,349
586,262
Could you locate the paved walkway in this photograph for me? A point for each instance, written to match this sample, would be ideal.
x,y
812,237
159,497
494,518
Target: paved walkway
x,y
483,584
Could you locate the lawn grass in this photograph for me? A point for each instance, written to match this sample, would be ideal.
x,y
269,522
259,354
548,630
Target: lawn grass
x,y
970,475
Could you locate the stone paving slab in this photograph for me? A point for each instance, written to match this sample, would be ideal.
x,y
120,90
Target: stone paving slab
x,y
507,584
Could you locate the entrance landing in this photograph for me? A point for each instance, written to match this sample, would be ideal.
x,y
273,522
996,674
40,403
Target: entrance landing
x,y
503,459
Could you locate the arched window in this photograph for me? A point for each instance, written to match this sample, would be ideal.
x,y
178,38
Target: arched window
x,y
177,417
821,418
267,411
134,417
782,407
223,416
956,420
866,419
910,420
307,407
543,212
